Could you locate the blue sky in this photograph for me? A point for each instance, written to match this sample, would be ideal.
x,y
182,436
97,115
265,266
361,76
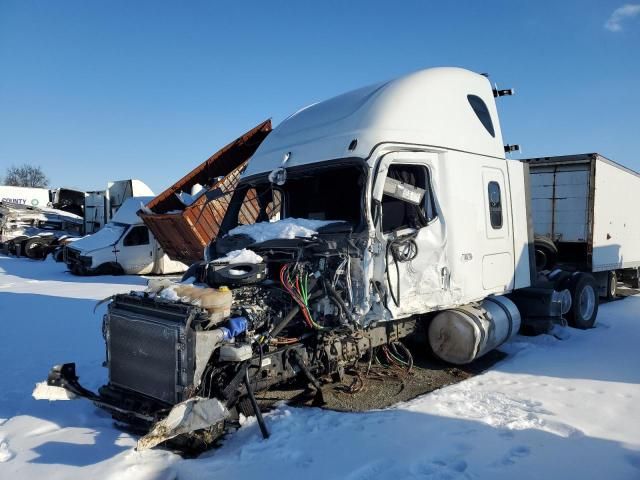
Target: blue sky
x,y
104,90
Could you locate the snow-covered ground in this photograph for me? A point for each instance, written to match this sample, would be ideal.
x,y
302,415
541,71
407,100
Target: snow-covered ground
x,y
553,409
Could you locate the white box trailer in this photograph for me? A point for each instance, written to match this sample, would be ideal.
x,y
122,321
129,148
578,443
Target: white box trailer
x,y
30,197
585,204
101,205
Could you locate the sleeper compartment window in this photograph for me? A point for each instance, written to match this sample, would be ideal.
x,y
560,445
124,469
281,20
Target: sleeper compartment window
x,y
495,205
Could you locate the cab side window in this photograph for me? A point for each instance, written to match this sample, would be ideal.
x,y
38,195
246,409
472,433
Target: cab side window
x,y
408,198
137,236
495,205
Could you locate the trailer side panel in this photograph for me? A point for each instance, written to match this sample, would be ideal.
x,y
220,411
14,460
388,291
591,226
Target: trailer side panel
x,y
616,226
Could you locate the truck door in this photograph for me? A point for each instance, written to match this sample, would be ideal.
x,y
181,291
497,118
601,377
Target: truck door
x,y
411,231
134,251
497,244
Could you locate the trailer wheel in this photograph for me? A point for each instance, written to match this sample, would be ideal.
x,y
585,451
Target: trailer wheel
x,y
584,301
612,285
546,253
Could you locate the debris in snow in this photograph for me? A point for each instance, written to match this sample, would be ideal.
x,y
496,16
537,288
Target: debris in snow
x,y
240,256
287,228
51,393
192,414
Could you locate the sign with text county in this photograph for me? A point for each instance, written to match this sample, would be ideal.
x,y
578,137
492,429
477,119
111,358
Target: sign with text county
x,y
34,197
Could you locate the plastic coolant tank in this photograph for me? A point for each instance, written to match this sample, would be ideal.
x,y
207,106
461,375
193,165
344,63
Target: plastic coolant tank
x,y
217,302
463,334
191,292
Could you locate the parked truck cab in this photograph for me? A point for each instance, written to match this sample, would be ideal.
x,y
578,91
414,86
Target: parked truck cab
x,y
417,167
123,246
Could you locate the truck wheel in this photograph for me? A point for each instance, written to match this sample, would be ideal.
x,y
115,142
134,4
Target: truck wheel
x,y
546,253
35,248
13,244
584,301
635,279
110,269
58,255
612,285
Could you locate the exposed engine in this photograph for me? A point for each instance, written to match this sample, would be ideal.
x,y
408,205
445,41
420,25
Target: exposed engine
x,y
242,327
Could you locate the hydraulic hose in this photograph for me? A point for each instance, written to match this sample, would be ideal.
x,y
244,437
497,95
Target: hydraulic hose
x,y
338,299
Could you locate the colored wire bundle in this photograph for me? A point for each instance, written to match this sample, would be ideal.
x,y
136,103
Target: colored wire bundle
x,y
395,354
298,288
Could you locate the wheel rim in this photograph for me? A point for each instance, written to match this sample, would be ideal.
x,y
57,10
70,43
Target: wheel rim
x,y
613,285
587,302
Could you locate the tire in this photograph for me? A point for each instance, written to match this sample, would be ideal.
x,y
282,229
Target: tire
x,y
12,245
110,269
584,301
635,280
58,255
612,285
36,248
546,253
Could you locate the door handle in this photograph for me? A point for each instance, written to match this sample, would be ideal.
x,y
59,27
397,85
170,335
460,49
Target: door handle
x,y
445,277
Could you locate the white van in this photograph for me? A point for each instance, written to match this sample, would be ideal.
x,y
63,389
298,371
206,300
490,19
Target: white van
x,y
124,245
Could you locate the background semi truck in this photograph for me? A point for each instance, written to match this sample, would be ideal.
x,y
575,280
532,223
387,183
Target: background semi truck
x,y
101,205
385,212
585,207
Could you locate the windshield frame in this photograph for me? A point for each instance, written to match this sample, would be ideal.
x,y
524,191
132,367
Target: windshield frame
x,y
235,204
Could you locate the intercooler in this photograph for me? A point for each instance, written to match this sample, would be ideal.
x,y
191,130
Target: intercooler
x,y
150,347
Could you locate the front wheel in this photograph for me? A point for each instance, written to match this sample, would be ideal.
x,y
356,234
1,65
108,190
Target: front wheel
x,y
584,300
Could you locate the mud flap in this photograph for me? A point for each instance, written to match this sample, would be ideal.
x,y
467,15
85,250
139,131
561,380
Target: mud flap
x,y
193,414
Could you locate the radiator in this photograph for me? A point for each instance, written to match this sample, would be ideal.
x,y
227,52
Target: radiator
x,y
150,348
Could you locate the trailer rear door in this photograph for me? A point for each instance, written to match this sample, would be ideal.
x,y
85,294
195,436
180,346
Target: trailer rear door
x,y
560,201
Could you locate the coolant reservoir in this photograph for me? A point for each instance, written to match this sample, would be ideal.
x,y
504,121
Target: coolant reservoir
x,y
462,334
190,292
217,302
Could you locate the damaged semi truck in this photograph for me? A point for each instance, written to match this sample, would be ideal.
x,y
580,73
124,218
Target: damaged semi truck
x,y
380,213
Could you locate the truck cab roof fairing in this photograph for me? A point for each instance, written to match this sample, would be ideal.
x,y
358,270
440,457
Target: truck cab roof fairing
x,y
428,107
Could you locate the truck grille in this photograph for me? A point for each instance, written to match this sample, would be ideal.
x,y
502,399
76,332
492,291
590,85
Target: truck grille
x,y
149,351
70,255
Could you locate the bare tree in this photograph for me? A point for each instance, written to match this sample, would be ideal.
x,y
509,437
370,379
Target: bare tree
x,y
26,176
